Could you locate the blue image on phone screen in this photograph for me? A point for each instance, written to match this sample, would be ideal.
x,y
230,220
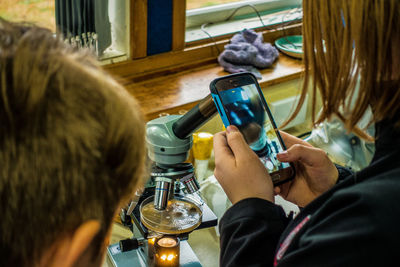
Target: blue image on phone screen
x,y
245,110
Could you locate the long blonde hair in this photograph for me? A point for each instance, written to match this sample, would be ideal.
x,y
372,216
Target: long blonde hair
x,y
346,41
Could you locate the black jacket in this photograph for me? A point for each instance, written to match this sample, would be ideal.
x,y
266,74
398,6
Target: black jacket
x,y
356,223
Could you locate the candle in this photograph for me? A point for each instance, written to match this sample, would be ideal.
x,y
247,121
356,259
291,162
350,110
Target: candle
x,y
166,251
167,242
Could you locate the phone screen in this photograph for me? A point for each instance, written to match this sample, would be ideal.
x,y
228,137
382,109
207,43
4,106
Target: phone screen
x,y
245,109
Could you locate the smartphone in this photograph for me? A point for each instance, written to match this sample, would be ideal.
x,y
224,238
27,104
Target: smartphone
x,y
240,102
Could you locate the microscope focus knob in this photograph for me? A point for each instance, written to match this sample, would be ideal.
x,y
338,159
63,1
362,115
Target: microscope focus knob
x,y
128,244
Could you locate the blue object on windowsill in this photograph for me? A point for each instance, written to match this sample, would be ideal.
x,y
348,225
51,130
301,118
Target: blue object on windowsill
x,y
291,45
159,26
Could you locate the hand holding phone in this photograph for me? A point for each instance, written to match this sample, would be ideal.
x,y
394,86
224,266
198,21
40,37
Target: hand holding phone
x,y
315,172
240,102
238,169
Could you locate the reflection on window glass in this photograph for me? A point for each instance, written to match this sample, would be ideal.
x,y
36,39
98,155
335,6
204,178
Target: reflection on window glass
x,y
40,12
193,4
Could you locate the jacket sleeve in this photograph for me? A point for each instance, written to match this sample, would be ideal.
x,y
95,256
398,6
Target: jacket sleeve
x,y
250,231
351,228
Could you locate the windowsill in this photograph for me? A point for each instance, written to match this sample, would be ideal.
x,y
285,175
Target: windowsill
x,y
112,56
183,90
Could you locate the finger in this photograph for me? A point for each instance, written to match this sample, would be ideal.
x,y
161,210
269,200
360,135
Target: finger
x,y
221,148
237,143
277,190
307,155
291,140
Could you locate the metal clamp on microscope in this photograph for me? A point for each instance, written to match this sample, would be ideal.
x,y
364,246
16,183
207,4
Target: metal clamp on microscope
x,y
170,207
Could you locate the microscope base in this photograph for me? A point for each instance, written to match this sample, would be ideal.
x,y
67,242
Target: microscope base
x,y
136,257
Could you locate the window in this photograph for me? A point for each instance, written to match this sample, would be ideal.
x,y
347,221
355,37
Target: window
x,y
110,19
98,25
221,17
160,43
133,35
195,4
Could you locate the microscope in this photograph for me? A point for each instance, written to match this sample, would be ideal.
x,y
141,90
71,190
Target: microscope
x,y
170,207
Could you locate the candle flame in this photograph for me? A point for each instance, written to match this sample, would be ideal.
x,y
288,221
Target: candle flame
x,y
167,242
163,257
170,257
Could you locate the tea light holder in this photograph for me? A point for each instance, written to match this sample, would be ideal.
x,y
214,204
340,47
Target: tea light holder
x,y
150,250
166,251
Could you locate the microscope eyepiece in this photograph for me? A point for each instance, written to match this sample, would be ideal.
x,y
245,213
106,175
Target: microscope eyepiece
x,y
194,118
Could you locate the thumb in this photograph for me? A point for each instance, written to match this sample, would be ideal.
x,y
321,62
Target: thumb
x,y
307,155
236,142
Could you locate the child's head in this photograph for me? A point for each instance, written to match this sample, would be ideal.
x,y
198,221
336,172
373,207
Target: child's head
x,y
71,149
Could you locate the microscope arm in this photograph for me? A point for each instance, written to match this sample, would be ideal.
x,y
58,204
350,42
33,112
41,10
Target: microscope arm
x,y
194,118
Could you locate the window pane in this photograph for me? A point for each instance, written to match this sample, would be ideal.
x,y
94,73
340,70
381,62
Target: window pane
x,y
193,4
40,12
242,11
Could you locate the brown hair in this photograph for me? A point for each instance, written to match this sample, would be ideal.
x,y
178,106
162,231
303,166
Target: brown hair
x,y
346,41
71,143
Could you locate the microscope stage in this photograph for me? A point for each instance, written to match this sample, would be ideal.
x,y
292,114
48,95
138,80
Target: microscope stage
x,y
209,219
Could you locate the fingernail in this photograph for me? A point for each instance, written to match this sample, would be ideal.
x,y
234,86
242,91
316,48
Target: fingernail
x,y
283,154
231,129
